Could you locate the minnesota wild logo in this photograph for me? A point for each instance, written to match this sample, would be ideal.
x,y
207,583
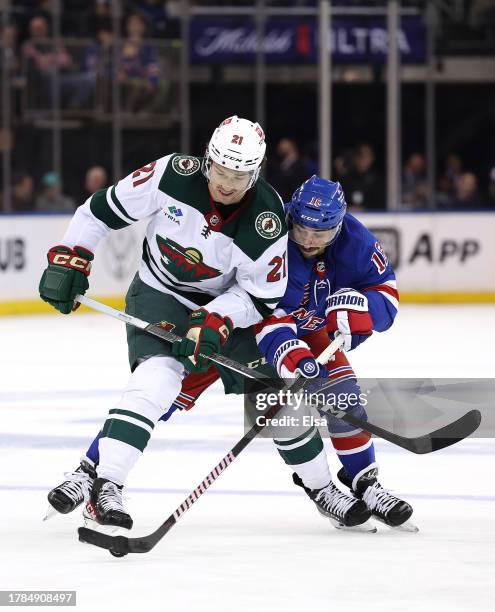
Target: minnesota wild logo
x,y
185,164
185,263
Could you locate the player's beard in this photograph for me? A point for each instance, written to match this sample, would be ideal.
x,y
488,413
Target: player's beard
x,y
309,253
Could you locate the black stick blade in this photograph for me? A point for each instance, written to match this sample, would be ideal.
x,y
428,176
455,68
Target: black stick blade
x,y
448,435
115,544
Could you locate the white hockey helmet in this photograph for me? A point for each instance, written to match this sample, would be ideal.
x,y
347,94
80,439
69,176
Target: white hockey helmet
x,y
238,144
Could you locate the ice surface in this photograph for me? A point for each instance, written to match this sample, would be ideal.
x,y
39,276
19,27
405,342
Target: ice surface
x,y
252,542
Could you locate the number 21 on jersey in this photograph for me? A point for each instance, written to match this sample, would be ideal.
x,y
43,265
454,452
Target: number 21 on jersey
x,y
279,269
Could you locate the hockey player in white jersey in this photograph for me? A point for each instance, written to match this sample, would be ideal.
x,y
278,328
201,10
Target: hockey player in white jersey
x,y
215,232
328,249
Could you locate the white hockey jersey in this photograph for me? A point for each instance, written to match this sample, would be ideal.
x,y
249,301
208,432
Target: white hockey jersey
x,y
234,266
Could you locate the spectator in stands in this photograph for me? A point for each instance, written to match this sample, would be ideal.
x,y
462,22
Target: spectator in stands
x,y
96,179
99,63
50,199
9,40
289,171
466,194
139,70
362,184
22,192
482,13
101,14
41,59
415,190
155,13
448,181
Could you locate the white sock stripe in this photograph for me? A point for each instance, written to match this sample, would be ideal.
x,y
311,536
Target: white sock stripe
x,y
358,449
346,434
296,444
186,395
345,367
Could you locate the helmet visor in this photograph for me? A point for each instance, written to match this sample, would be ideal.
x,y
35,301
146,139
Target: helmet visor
x,y
311,238
230,179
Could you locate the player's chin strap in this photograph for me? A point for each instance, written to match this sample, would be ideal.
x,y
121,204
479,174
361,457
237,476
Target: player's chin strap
x,y
156,329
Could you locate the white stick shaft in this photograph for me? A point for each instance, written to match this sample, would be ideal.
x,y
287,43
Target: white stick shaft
x,y
117,314
332,348
322,358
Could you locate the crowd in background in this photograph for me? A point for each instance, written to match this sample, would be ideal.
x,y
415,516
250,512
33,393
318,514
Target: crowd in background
x,y
85,56
145,89
456,187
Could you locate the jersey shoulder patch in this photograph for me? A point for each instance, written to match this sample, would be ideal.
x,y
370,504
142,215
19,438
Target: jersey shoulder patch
x,y
263,221
183,181
185,165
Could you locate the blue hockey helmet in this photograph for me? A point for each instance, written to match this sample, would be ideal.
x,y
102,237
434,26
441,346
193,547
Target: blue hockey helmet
x,y
318,204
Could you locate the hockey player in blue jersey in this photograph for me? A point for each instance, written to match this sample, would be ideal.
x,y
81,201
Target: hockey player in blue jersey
x,y
339,279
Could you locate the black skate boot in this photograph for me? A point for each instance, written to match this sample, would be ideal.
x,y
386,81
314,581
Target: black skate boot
x,y
74,490
342,509
105,505
384,506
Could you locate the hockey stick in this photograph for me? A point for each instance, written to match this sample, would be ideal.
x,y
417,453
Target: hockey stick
x,y
155,329
120,546
427,443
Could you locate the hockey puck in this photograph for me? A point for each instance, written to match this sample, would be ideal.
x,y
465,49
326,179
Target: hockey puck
x,y
118,554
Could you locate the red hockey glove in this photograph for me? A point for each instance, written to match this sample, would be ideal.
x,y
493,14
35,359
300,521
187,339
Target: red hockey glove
x,y
294,357
347,311
207,332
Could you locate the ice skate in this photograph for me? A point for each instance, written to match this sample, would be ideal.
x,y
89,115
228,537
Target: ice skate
x,y
67,496
105,505
344,511
385,507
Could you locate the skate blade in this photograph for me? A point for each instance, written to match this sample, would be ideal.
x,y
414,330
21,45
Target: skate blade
x,y
366,527
406,527
50,513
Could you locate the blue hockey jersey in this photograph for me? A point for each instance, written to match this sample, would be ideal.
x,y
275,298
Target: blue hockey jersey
x,y
355,260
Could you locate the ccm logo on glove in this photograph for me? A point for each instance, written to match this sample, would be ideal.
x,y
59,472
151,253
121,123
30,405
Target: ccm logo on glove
x,y
70,261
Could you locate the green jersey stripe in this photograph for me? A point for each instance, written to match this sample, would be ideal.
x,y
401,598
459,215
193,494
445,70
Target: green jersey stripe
x,y
117,203
302,454
134,415
270,300
264,309
102,211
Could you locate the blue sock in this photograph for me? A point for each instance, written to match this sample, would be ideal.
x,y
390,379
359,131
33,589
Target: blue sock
x,y
93,451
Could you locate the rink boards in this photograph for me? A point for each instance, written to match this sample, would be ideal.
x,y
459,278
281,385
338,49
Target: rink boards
x,y
438,257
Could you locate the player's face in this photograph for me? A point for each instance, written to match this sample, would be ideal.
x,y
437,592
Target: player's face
x,y
311,242
227,186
